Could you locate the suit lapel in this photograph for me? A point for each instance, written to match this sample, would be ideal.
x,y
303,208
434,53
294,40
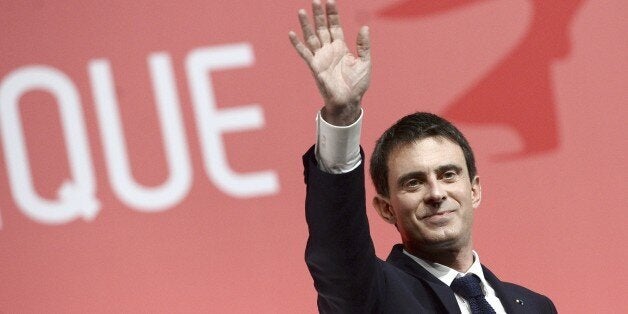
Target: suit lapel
x,y
405,263
512,303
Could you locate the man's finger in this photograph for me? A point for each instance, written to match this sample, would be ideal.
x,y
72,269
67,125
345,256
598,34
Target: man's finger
x,y
301,49
364,44
334,21
308,34
320,21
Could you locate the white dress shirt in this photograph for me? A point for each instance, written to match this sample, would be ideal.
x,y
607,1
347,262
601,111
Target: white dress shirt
x,y
447,276
338,151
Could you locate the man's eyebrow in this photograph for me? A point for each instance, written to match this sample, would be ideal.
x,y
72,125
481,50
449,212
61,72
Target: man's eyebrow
x,y
422,174
445,168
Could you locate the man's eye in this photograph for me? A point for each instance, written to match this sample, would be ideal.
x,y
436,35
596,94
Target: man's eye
x,y
412,184
450,175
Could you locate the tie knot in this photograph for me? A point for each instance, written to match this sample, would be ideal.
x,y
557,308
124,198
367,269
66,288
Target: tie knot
x,y
467,286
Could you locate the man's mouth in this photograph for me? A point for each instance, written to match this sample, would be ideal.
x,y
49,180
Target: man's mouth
x,y
439,214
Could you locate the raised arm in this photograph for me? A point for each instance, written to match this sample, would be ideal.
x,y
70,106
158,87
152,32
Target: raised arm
x,y
341,77
339,253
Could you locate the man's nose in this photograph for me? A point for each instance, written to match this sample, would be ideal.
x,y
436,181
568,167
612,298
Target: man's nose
x,y
436,193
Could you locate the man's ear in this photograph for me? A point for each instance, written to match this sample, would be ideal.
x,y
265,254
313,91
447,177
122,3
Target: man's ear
x,y
384,209
476,192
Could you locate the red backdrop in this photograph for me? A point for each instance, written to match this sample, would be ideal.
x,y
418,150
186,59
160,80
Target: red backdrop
x,y
151,150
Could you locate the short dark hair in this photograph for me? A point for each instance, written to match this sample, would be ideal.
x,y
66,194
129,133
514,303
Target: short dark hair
x,y
409,129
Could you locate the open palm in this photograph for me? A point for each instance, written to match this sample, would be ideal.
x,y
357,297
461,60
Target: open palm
x,y
341,77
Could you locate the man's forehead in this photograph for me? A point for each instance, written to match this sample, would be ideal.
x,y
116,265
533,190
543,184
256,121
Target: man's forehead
x,y
429,152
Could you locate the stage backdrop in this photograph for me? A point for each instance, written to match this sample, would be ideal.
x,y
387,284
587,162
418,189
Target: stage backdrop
x,y
150,157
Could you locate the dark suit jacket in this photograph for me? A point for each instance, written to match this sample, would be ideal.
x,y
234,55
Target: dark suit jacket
x,y
350,278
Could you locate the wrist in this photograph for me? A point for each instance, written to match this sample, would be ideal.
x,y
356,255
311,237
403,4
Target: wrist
x,y
341,115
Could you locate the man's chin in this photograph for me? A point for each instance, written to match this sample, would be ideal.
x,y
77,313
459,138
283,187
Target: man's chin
x,y
443,238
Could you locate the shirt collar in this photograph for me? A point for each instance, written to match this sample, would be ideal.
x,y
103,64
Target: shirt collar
x,y
447,274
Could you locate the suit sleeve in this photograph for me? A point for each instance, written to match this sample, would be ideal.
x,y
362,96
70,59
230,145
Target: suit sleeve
x,y
340,254
552,307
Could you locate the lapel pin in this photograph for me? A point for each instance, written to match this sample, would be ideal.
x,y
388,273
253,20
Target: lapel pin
x,y
520,302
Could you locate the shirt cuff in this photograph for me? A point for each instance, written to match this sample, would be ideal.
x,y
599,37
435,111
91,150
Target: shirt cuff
x,y
338,147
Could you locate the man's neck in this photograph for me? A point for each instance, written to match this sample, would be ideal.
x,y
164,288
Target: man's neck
x,y
459,259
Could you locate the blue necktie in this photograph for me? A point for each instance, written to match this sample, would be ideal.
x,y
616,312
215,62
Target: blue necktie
x,y
469,288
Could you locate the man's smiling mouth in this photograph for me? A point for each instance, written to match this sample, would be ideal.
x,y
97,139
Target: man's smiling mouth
x,y
438,215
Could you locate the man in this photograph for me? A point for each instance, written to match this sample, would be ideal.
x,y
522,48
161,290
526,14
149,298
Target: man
x,y
424,173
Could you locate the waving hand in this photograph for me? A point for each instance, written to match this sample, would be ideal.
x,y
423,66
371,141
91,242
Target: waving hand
x,y
341,77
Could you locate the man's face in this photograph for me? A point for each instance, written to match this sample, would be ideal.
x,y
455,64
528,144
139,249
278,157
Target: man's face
x,y
431,196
